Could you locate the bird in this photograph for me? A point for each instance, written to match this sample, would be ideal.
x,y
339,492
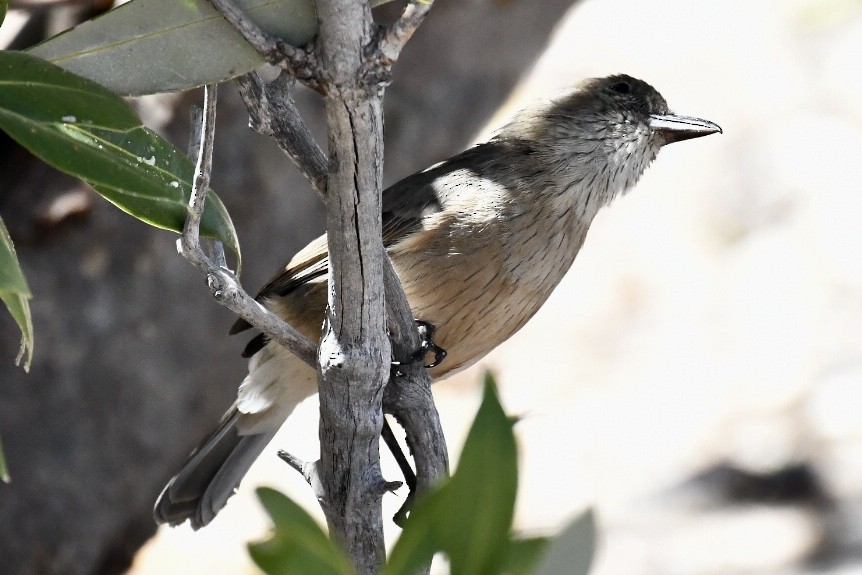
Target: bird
x,y
478,241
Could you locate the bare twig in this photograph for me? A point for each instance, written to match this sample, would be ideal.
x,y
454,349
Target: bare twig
x,y
402,29
227,290
308,470
296,463
299,62
213,246
216,250
190,241
223,283
273,113
196,120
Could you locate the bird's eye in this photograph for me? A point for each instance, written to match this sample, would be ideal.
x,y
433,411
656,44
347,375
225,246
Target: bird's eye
x,y
621,88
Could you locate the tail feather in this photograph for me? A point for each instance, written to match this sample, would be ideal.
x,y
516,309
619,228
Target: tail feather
x,y
211,475
276,382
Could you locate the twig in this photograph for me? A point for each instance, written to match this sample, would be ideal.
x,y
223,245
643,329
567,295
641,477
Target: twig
x,y
308,470
190,241
402,29
299,62
196,120
216,250
273,113
210,245
385,46
223,284
227,290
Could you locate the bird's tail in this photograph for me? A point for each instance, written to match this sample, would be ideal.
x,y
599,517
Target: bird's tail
x,y
211,474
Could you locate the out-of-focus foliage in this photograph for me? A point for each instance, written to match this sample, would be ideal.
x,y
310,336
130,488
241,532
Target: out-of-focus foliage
x,y
468,518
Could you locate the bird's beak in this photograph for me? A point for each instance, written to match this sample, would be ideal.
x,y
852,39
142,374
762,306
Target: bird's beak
x,y
677,128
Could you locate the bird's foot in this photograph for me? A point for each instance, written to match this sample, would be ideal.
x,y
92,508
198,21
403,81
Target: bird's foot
x,y
426,333
426,346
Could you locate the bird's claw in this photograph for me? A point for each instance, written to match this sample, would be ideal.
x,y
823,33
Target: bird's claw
x,y
426,346
426,333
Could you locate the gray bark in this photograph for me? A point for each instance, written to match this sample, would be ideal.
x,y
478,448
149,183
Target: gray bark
x,y
354,352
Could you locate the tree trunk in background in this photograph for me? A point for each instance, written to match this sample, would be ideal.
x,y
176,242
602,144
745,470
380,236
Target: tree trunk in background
x,y
132,361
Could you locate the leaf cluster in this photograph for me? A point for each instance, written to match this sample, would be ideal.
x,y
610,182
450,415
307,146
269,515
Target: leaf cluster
x,y
467,518
76,124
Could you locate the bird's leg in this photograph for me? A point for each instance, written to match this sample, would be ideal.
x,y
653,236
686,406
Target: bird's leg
x,y
406,470
426,335
402,368
426,332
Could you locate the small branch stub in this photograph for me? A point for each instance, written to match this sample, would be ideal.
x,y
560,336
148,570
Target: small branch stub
x,y
400,32
308,470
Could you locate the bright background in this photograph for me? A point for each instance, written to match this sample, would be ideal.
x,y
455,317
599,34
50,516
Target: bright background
x,y
714,316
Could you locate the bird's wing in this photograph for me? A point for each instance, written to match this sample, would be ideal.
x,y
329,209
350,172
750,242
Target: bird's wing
x,y
404,205
309,263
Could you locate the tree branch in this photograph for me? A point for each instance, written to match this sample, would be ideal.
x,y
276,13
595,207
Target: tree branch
x,y
273,113
298,62
408,395
223,283
400,32
203,139
365,296
355,352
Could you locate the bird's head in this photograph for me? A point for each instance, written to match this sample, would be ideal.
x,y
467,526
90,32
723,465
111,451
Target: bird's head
x,y
600,137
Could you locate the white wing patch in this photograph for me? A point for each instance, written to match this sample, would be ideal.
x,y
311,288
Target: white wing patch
x,y
276,382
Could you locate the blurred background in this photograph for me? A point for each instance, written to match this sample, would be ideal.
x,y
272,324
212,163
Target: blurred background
x,y
696,378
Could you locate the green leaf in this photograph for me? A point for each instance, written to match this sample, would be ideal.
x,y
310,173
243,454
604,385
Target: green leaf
x,y
572,551
419,541
4,471
298,546
16,295
469,517
83,129
482,498
149,46
524,554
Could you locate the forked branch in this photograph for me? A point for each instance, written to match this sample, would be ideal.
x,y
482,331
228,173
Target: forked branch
x,y
223,283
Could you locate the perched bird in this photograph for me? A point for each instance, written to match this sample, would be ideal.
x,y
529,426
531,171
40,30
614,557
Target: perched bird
x,y
479,242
